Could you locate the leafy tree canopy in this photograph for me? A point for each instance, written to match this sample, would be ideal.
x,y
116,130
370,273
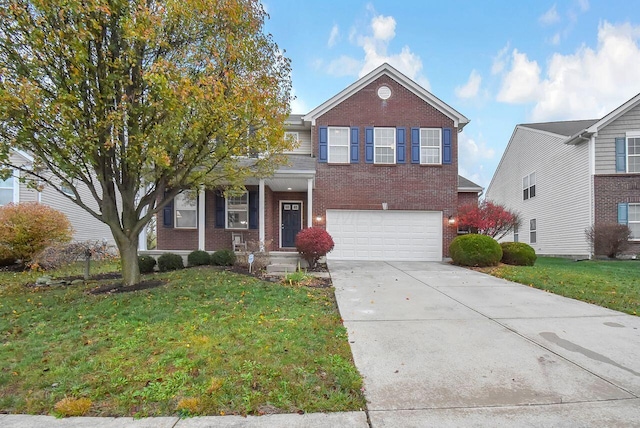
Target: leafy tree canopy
x,y
488,218
139,100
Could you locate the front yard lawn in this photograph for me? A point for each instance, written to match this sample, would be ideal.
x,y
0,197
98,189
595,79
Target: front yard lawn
x,y
613,284
207,342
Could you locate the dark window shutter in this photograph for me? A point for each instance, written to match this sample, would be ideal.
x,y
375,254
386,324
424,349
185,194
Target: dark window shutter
x,y
167,215
253,209
623,213
322,144
401,145
355,145
368,145
220,208
446,146
621,155
415,145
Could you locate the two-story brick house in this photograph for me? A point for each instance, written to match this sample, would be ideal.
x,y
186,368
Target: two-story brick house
x,y
376,166
563,177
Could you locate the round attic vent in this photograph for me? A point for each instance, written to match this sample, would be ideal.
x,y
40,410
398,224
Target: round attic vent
x,y
384,92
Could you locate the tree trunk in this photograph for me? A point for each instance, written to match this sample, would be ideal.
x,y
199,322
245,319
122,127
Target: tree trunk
x,y
128,248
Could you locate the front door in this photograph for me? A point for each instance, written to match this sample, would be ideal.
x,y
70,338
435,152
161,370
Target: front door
x,y
291,221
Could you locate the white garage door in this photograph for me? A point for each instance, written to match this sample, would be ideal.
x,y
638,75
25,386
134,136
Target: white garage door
x,y
385,235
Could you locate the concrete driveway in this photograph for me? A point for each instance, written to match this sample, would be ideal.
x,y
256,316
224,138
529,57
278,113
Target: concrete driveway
x,y
440,345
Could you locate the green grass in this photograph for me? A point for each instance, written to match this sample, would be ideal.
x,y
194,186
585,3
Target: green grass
x,y
221,342
612,284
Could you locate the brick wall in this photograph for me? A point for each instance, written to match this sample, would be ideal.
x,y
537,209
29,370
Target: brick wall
x,y
402,186
467,198
609,191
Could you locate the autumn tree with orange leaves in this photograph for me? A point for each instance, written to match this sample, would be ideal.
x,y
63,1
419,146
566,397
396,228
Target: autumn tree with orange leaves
x,y
138,101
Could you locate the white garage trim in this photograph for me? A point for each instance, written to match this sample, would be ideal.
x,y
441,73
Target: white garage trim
x,y
385,235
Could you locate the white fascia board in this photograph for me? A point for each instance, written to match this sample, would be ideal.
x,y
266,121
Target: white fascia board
x,y
614,114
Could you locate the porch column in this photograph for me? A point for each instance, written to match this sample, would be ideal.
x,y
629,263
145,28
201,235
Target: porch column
x,y
201,219
142,238
261,225
309,202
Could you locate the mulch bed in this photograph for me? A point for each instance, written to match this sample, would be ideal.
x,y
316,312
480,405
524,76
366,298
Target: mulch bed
x,y
121,288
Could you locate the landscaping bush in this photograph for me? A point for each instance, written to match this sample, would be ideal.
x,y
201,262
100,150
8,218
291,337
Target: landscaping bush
x,y
28,228
59,255
475,250
223,258
170,261
518,254
313,243
146,264
609,239
6,257
199,258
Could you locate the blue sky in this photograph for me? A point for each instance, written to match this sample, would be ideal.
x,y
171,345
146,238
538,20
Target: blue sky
x,y
499,63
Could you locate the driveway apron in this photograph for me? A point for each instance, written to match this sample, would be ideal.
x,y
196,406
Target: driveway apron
x,y
440,345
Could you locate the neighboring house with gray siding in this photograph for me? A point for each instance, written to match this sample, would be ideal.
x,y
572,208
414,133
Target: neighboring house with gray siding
x,y
86,227
563,177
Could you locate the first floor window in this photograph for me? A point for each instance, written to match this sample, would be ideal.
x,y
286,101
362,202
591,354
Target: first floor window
x,y
6,191
634,220
238,211
633,154
186,210
529,186
533,230
384,143
338,145
430,145
516,236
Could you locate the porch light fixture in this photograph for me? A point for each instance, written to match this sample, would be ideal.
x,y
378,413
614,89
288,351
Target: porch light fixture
x,y
452,220
319,219
289,188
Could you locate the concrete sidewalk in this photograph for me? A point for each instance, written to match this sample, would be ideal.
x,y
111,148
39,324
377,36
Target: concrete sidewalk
x,y
440,345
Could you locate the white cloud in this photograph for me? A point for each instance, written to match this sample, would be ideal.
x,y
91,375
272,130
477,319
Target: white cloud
x,y
471,159
375,45
522,82
555,40
500,60
550,17
586,84
471,88
333,36
584,5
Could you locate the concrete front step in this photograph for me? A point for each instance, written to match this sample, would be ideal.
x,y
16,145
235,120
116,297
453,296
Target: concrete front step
x,y
281,268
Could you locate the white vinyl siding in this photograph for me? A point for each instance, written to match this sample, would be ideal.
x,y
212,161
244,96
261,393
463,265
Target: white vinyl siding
x,y
430,146
384,143
186,210
338,144
562,203
304,142
238,212
633,153
634,221
605,147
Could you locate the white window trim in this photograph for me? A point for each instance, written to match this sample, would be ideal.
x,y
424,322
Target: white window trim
x,y
175,212
535,230
226,214
423,161
15,186
626,142
528,177
634,222
348,159
393,146
295,136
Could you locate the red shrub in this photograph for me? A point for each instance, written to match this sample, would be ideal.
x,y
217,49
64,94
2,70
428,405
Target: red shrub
x,y
313,243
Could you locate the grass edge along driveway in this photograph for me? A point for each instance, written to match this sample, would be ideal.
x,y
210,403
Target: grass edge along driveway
x,y
208,342
613,284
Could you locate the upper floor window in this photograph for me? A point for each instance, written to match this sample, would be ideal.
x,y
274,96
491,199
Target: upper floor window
x,y
186,210
338,144
430,145
384,143
529,186
6,191
633,153
533,231
293,138
238,211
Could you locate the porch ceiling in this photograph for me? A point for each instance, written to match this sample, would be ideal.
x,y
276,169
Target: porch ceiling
x,y
287,184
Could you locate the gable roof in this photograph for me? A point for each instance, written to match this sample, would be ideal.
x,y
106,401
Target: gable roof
x,y
566,128
385,69
466,185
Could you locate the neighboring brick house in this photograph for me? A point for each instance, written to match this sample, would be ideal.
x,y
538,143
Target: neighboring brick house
x,y
376,165
563,177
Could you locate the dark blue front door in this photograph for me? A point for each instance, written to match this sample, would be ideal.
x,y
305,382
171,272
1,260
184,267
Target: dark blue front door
x,y
291,221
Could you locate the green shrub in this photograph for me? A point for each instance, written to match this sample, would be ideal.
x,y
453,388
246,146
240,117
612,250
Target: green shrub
x,y
199,258
518,254
475,250
223,258
6,257
146,264
170,261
